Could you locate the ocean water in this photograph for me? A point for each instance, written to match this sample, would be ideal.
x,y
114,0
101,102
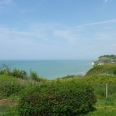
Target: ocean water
x,y
50,69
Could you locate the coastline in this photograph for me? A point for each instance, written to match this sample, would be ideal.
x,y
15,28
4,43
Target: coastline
x,y
50,69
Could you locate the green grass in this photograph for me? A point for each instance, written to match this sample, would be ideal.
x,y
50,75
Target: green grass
x,y
106,69
8,111
105,107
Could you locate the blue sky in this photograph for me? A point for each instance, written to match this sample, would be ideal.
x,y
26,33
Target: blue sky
x,y
57,29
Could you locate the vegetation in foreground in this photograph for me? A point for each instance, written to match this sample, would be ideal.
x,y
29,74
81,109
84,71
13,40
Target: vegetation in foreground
x,y
27,95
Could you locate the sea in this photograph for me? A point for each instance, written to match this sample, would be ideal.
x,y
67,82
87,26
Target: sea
x,y
50,69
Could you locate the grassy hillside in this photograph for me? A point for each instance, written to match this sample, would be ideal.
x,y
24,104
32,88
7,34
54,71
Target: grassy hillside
x,y
106,69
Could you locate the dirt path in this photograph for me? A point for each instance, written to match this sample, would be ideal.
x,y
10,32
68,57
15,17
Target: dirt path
x,y
7,102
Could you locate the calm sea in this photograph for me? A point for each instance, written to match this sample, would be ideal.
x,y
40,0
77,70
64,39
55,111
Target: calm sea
x,y
50,69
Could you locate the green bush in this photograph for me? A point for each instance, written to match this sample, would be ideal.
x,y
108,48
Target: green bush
x,y
9,85
19,73
57,98
15,72
114,72
5,70
33,75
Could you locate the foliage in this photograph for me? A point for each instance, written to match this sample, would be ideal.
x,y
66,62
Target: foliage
x,y
8,111
64,96
57,98
70,76
105,59
106,69
15,72
5,70
99,84
9,85
33,75
114,71
19,74
105,107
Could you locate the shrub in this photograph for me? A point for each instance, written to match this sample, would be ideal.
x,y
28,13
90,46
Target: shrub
x,y
15,72
19,73
114,72
5,70
57,98
9,85
33,75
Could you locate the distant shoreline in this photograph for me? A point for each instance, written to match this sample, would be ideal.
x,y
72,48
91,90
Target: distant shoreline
x,y
50,69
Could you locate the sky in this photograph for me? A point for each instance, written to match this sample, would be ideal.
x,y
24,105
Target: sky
x,y
57,29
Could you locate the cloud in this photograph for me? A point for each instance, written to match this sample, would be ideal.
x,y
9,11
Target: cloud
x,y
68,36
19,44
37,41
107,0
50,40
98,23
5,1
4,4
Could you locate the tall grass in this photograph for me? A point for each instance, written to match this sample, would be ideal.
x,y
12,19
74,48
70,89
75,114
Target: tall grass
x,y
9,86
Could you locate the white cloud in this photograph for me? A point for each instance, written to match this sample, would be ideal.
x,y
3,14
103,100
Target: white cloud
x,y
107,0
19,45
69,36
40,41
4,4
5,1
98,23
56,40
